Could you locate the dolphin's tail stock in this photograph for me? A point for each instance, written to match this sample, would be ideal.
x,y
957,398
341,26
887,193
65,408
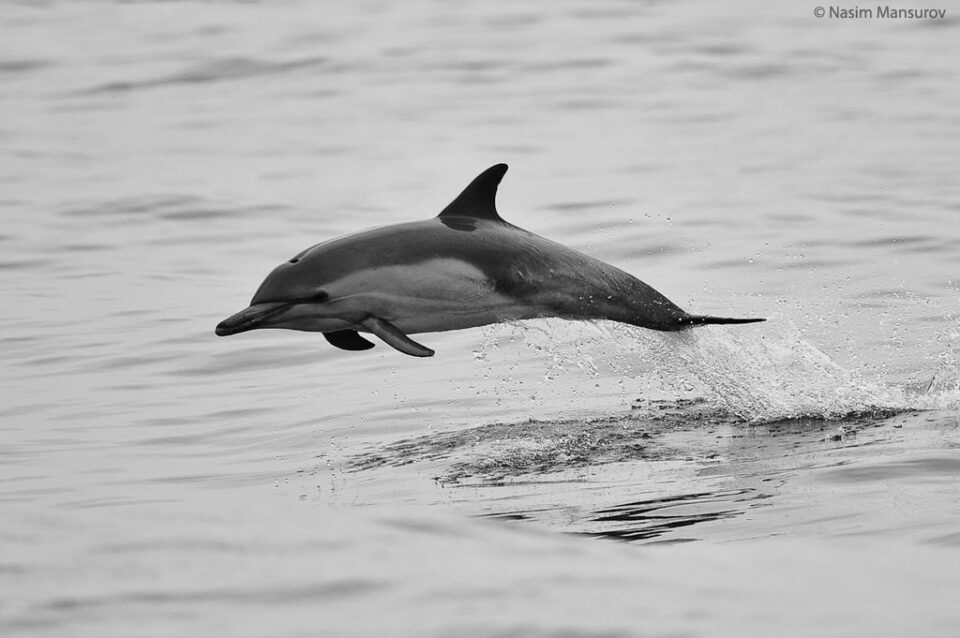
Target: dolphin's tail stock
x,y
656,312
702,320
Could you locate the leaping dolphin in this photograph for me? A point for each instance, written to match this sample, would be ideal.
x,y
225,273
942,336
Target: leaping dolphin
x,y
466,267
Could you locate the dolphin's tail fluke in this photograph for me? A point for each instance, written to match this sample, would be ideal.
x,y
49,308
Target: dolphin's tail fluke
x,y
702,320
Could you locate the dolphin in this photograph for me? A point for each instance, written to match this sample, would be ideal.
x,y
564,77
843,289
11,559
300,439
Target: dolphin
x,y
465,268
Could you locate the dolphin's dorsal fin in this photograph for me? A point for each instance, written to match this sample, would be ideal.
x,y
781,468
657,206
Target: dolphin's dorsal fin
x,y
479,198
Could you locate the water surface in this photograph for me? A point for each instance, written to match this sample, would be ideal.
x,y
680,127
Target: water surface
x,y
798,476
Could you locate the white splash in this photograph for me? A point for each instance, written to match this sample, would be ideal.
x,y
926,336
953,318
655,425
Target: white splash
x,y
942,391
775,374
764,372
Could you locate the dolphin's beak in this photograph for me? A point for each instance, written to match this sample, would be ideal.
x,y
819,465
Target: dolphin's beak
x,y
250,318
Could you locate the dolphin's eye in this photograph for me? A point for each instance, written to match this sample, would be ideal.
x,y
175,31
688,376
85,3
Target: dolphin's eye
x,y
320,296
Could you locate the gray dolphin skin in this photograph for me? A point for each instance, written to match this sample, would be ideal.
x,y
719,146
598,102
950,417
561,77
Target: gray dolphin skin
x,y
465,268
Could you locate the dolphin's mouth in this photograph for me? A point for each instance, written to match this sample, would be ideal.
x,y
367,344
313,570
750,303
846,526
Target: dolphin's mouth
x,y
250,318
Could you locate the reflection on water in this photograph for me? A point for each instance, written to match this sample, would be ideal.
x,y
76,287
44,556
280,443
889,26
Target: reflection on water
x,y
158,158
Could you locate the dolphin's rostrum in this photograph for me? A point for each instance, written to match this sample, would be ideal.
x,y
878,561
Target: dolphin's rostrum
x,y
466,267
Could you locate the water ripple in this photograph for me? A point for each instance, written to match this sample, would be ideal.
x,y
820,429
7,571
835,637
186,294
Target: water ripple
x,y
227,69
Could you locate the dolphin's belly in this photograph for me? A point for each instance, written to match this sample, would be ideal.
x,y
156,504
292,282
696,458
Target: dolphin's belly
x,y
440,318
430,296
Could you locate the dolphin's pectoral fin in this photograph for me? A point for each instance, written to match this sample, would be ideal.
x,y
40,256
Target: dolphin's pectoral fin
x,y
347,340
395,338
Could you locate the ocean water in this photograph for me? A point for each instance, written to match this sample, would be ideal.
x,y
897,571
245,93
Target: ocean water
x,y
547,478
